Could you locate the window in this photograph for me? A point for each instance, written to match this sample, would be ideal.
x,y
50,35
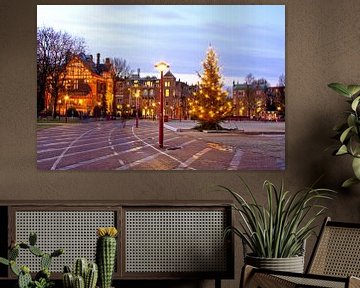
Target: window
x,y
167,92
167,83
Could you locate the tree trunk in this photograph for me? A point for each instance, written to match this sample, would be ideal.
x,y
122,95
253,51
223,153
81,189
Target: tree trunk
x,y
55,99
41,95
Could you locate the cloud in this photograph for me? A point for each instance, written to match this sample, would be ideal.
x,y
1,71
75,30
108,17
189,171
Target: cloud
x,y
248,38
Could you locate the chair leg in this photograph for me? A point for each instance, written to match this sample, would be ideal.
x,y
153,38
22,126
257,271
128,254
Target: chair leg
x,y
246,273
217,283
250,278
354,282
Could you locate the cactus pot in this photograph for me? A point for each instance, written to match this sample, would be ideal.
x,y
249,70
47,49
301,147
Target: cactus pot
x,y
291,264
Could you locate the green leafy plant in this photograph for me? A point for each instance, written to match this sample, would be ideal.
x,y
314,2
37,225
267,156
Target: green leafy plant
x,y
349,132
43,283
279,229
42,278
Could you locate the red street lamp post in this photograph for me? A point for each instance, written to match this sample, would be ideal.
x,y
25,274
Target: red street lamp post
x,y
137,109
66,102
59,103
161,67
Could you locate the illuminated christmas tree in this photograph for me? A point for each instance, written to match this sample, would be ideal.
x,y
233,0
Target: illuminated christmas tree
x,y
210,104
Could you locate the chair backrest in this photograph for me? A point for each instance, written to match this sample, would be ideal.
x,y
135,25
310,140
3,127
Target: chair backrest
x,y
337,251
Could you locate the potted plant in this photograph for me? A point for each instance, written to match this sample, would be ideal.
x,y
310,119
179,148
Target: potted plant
x,y
276,233
106,254
349,132
84,274
42,278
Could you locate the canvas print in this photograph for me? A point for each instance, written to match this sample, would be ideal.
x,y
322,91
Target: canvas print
x,y
161,87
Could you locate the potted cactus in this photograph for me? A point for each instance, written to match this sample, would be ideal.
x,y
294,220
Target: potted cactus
x,y
42,278
106,254
84,275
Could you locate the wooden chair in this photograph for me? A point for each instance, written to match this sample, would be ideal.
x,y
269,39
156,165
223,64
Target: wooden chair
x,y
335,262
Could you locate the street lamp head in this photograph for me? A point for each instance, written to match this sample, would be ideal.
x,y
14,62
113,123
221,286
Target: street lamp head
x,y
161,66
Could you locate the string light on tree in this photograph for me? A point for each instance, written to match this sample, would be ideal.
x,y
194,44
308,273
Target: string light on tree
x,y
211,104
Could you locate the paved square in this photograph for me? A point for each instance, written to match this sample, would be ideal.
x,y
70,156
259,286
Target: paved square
x,y
117,145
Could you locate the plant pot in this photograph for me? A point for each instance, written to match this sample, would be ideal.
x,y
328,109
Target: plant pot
x,y
291,264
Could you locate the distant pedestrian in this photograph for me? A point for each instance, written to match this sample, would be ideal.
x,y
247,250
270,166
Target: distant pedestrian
x,y
123,121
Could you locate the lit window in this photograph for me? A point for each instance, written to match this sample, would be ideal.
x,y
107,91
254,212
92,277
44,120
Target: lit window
x,y
167,83
167,92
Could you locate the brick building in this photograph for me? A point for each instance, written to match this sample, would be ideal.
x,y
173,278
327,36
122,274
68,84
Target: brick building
x,y
144,93
258,101
87,86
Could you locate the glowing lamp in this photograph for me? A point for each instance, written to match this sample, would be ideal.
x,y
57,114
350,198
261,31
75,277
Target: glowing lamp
x,y
161,66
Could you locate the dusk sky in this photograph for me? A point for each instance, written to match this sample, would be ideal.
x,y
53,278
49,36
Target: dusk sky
x,y
247,38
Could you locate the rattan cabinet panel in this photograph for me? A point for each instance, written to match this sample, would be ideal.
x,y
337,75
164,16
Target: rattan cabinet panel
x,y
175,241
74,231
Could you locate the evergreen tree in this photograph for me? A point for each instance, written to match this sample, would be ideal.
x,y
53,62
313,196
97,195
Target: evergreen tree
x,y
210,105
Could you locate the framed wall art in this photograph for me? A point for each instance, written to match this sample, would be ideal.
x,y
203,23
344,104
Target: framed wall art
x,y
161,87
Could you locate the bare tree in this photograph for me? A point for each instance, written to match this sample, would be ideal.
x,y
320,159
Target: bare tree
x,y
249,79
253,94
282,80
119,69
54,51
249,100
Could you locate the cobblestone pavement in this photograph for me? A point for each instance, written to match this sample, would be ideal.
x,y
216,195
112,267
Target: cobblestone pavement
x,y
255,151
116,145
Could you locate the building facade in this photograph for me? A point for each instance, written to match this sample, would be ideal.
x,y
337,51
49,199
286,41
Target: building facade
x,y
87,87
258,101
142,94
